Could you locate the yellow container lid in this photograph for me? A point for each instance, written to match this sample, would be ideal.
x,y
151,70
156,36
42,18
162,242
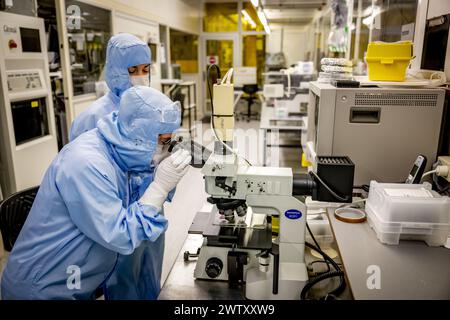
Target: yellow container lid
x,y
402,50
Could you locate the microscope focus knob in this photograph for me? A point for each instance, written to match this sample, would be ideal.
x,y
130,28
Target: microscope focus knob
x,y
213,267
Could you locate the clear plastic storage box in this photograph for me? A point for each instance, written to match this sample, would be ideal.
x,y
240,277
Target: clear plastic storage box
x,y
408,211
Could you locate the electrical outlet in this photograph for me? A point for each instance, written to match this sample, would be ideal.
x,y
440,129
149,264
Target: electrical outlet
x,y
445,161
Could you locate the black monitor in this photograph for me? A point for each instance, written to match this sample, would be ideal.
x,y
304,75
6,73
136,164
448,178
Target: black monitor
x,y
31,42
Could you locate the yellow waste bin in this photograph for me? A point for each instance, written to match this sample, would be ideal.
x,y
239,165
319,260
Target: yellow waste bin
x,y
388,61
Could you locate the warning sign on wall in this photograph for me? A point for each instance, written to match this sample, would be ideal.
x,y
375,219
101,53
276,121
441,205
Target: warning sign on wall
x,y
212,60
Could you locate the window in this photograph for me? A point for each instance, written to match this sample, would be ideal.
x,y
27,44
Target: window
x,y
393,16
87,45
364,30
382,20
253,54
220,17
184,51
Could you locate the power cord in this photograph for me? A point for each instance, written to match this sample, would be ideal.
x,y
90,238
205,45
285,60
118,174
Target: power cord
x,y
440,171
329,274
213,128
334,194
332,274
428,174
312,236
321,261
441,184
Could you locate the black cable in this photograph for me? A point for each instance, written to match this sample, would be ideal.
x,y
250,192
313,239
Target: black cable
x,y
312,236
320,278
315,242
334,194
332,274
209,85
440,188
322,261
210,93
444,190
326,257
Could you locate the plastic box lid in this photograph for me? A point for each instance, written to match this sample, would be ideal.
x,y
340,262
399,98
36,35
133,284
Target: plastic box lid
x,y
408,204
395,50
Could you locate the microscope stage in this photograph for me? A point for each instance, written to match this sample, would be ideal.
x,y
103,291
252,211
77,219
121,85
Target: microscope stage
x,y
205,223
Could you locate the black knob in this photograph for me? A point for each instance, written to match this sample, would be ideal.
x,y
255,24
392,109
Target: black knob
x,y
213,267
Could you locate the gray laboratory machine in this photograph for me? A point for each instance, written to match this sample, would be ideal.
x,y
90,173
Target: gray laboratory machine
x,y
382,130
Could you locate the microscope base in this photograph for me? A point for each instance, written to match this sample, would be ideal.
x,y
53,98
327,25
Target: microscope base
x,y
221,253
292,279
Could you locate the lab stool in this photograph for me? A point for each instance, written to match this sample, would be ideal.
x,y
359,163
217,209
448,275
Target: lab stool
x,y
250,95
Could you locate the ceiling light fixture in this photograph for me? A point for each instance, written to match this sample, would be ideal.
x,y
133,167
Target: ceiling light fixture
x,y
248,18
263,19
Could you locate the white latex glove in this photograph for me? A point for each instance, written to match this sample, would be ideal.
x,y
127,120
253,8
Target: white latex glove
x,y
167,175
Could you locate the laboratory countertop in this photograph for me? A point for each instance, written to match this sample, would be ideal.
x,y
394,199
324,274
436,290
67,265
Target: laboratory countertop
x,y
170,81
270,122
177,81
409,270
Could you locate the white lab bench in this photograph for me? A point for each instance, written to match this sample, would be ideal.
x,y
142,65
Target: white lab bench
x,y
270,123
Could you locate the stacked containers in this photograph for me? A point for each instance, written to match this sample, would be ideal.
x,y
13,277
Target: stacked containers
x,y
335,69
408,211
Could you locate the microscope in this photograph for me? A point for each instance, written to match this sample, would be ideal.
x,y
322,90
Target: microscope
x,y
238,235
238,246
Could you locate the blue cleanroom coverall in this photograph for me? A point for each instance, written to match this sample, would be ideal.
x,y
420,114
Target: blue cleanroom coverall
x,y
87,213
124,50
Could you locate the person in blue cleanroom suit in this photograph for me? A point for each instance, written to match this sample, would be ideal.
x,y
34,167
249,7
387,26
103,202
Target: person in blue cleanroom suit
x,y
86,213
127,64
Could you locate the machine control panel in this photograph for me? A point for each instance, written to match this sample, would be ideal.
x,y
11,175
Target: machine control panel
x,y
18,39
260,186
19,81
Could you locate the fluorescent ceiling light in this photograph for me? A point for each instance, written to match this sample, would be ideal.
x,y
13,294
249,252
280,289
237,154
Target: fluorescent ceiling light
x,y
263,19
255,3
248,18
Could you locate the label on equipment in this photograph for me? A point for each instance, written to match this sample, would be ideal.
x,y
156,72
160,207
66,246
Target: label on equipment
x,y
34,104
24,81
293,214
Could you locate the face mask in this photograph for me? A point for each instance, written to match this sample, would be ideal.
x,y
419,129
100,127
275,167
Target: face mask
x,y
140,80
162,152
